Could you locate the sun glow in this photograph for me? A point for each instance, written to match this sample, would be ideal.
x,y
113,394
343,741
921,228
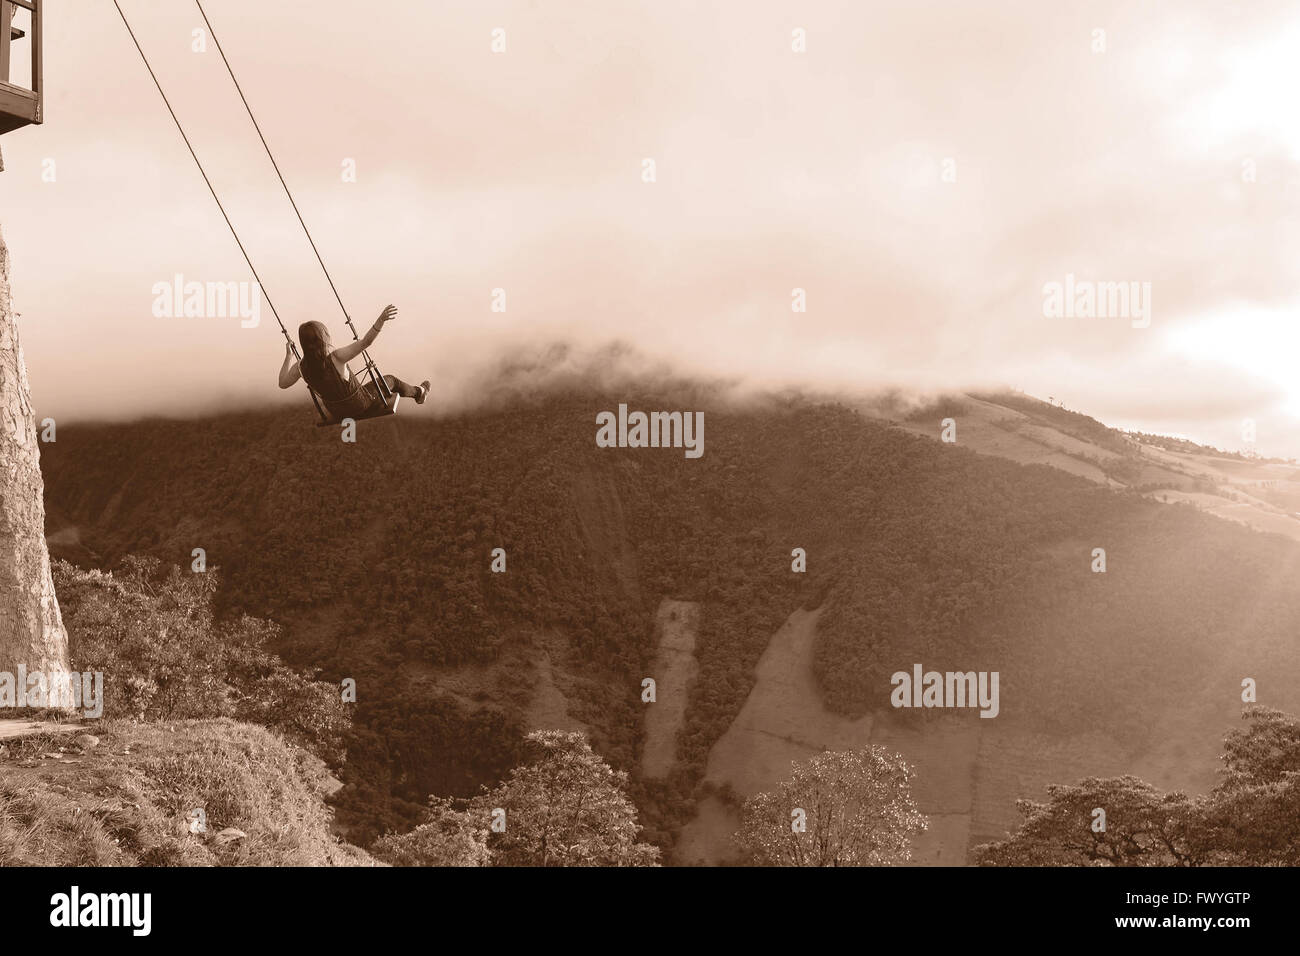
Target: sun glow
x,y
1264,344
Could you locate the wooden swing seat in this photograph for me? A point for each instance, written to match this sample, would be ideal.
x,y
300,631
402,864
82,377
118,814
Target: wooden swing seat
x,y
377,410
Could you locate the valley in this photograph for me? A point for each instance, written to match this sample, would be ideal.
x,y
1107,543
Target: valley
x,y
973,556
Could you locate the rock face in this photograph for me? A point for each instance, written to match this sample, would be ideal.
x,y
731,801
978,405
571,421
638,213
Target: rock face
x,y
31,629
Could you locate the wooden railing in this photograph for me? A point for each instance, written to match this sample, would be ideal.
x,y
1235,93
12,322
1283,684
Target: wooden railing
x,y
20,105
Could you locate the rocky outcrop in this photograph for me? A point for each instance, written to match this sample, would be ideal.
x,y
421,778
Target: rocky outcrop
x,y
31,629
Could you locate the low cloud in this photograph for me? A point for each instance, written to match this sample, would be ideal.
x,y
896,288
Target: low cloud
x,y
920,172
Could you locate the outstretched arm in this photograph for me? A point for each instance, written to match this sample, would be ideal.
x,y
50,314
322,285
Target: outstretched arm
x,y
289,371
346,353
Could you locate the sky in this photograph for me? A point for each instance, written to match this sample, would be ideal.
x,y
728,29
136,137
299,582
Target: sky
x,y
923,171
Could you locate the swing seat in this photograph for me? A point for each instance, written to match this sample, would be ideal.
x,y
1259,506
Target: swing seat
x,y
377,410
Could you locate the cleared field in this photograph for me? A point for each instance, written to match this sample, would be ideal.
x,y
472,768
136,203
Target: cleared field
x,y
1006,433
674,670
969,771
1265,495
549,708
1257,515
783,720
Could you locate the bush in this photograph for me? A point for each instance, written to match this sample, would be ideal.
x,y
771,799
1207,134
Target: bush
x,y
164,656
451,837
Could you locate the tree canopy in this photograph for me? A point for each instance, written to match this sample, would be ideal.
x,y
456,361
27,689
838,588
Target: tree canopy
x,y
848,808
565,807
1252,818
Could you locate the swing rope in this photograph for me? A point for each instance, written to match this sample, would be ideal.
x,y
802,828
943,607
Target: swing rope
x,y
370,365
293,347
204,174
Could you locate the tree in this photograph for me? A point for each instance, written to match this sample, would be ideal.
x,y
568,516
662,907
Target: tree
x,y
155,631
450,837
848,808
1142,827
31,628
564,808
1252,818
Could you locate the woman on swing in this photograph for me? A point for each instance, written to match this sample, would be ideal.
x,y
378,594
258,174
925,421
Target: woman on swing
x,y
325,370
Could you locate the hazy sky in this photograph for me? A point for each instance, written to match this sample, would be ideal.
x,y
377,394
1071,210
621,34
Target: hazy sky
x,y
1170,159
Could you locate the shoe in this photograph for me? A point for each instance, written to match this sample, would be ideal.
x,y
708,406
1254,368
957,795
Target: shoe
x,y
422,393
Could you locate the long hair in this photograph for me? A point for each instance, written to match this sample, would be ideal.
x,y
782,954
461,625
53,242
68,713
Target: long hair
x,y
315,341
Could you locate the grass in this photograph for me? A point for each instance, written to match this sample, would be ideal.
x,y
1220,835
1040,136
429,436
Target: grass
x,y
129,801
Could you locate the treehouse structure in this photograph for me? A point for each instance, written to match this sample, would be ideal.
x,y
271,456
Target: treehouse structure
x,y
20,105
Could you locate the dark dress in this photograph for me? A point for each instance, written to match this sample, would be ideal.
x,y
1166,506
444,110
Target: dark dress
x,y
342,398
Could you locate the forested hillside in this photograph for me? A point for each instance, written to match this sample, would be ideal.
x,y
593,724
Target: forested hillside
x,y
376,560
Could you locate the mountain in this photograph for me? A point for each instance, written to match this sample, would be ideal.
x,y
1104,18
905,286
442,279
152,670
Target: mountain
x,y
622,564
1262,493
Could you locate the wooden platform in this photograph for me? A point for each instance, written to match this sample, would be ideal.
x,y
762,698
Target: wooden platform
x,y
18,107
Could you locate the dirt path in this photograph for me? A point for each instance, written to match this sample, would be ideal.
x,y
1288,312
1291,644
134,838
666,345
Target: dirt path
x,y
21,728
